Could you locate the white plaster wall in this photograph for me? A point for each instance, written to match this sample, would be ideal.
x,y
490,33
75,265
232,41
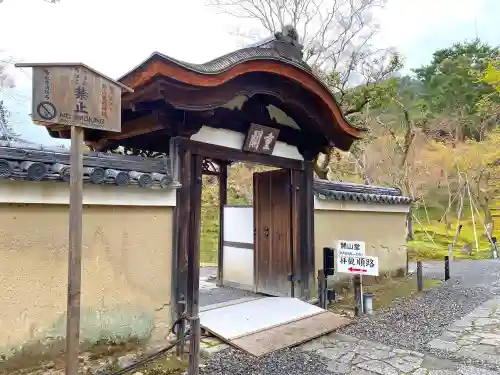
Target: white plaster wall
x,y
57,192
331,205
238,224
238,263
232,139
238,266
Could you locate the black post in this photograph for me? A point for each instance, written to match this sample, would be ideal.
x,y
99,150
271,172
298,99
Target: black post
x,y
420,284
358,309
446,268
328,261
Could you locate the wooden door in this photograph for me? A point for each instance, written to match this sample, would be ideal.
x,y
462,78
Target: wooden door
x,y
273,240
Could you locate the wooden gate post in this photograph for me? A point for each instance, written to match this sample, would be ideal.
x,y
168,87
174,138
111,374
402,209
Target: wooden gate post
x,y
193,274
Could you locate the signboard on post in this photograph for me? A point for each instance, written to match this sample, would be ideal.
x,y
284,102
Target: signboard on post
x,y
351,258
261,139
80,97
75,95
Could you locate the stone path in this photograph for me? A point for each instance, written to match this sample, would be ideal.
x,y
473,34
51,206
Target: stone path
x,y
211,294
352,356
452,329
476,336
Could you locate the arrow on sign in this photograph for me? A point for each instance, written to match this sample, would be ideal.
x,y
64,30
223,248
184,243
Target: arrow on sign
x,y
356,269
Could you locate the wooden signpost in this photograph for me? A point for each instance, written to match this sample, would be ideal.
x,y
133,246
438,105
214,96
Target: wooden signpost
x,y
80,97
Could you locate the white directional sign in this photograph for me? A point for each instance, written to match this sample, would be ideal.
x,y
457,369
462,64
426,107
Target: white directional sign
x,y
351,259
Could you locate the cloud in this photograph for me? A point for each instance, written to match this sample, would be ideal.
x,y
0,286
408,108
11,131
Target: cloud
x,y
417,28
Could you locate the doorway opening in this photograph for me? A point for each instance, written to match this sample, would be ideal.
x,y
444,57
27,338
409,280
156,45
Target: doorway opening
x,y
246,233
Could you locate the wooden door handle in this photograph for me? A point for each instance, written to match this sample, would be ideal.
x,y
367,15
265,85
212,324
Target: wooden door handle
x,y
266,231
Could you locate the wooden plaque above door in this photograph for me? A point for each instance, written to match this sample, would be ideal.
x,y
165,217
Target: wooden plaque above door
x,y
261,139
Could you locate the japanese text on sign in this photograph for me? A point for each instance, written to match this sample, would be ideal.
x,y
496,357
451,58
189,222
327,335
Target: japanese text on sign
x,y
261,139
351,248
351,258
77,96
364,265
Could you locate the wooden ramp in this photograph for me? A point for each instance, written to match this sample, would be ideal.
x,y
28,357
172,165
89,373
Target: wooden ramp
x,y
264,325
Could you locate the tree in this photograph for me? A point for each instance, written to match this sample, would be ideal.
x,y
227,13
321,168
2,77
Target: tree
x,y
336,36
452,86
5,82
334,33
491,74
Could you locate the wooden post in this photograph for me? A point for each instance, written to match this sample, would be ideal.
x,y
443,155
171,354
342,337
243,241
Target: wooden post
x,y
193,274
407,261
181,162
307,246
322,289
358,296
459,216
75,251
222,203
420,284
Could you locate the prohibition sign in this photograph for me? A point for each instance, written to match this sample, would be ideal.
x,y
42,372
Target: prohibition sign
x,y
46,110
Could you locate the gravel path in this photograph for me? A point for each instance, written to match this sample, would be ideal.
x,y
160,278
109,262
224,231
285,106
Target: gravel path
x,y
407,324
412,323
285,362
211,294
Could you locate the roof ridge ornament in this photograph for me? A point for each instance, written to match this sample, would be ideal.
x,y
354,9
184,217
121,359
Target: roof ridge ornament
x,y
289,34
288,42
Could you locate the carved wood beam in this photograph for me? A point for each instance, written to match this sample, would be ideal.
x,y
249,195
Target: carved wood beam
x,y
210,167
132,128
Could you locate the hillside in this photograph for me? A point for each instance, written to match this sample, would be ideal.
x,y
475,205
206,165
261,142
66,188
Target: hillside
x,y
434,135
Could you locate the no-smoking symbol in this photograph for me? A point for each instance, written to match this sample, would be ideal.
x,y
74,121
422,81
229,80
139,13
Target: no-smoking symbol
x,y
46,110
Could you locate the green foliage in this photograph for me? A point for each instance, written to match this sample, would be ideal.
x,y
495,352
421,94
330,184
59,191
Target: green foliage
x,y
491,74
451,82
377,89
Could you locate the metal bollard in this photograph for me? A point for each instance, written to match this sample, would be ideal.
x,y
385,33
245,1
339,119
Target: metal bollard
x,y
368,303
420,283
446,268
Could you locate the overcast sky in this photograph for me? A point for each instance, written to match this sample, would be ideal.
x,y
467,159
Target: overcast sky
x,y
113,36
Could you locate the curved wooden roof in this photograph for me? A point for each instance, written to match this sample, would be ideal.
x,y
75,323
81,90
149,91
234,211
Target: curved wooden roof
x,y
273,67
257,59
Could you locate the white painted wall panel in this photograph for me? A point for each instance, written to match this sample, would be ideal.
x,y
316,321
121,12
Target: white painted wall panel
x,y
238,224
238,262
232,139
238,265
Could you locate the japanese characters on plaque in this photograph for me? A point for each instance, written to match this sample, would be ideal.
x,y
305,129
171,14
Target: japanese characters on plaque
x,y
76,96
261,139
351,258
